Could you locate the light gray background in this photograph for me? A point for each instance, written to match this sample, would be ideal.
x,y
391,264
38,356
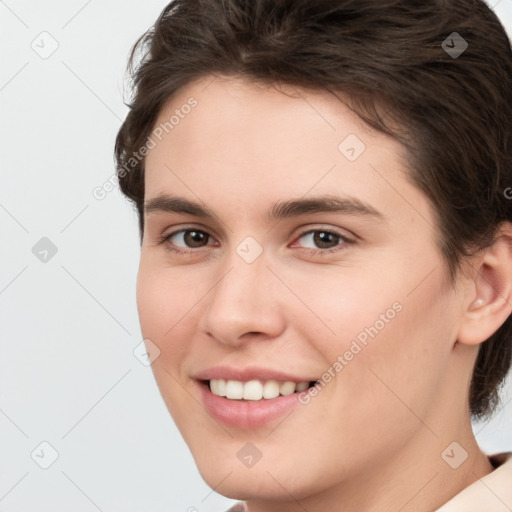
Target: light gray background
x,y
69,325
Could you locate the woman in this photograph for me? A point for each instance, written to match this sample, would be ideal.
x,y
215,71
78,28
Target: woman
x,y
326,263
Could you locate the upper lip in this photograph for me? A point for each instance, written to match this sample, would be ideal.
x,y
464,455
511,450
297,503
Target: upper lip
x,y
248,373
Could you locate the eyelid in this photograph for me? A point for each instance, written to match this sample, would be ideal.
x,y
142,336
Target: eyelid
x,y
173,230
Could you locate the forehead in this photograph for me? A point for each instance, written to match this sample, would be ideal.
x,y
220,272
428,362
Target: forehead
x,y
236,143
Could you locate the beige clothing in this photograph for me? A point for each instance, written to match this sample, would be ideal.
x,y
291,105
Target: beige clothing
x,y
492,493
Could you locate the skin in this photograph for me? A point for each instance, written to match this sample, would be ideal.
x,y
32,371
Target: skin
x,y
372,439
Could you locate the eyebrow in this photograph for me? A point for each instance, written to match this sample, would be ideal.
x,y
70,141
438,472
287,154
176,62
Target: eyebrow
x,y
280,210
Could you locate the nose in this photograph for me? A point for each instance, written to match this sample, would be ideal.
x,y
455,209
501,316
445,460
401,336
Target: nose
x,y
244,304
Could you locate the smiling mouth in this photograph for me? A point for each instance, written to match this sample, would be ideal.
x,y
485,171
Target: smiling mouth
x,y
255,390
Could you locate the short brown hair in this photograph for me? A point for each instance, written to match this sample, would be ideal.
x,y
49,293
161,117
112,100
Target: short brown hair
x,y
392,60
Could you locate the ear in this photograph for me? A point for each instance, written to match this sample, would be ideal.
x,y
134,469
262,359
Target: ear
x,y
488,298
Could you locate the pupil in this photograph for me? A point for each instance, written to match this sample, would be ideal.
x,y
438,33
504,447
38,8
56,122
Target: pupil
x,y
194,238
325,240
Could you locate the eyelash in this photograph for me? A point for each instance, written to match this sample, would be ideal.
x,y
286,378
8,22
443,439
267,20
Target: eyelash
x,y
314,252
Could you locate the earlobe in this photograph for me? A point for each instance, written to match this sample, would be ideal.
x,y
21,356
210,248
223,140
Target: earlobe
x,y
490,302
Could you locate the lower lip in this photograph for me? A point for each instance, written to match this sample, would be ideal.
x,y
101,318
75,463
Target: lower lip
x,y
246,413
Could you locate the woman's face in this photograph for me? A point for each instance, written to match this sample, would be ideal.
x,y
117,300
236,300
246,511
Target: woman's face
x,y
295,249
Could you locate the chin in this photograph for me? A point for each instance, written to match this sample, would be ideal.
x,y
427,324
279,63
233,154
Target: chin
x,y
264,481
244,485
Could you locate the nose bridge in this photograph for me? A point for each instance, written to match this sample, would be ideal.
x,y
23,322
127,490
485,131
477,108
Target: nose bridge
x,y
242,286
247,263
242,300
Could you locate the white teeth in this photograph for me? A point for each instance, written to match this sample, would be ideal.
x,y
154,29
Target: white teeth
x,y
255,389
287,388
271,389
234,389
218,387
301,386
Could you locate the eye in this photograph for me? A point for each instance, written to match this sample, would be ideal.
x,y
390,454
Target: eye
x,y
316,241
323,240
186,239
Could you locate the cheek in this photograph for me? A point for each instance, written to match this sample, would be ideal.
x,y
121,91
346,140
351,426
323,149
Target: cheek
x,y
386,344
165,305
398,373
340,305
